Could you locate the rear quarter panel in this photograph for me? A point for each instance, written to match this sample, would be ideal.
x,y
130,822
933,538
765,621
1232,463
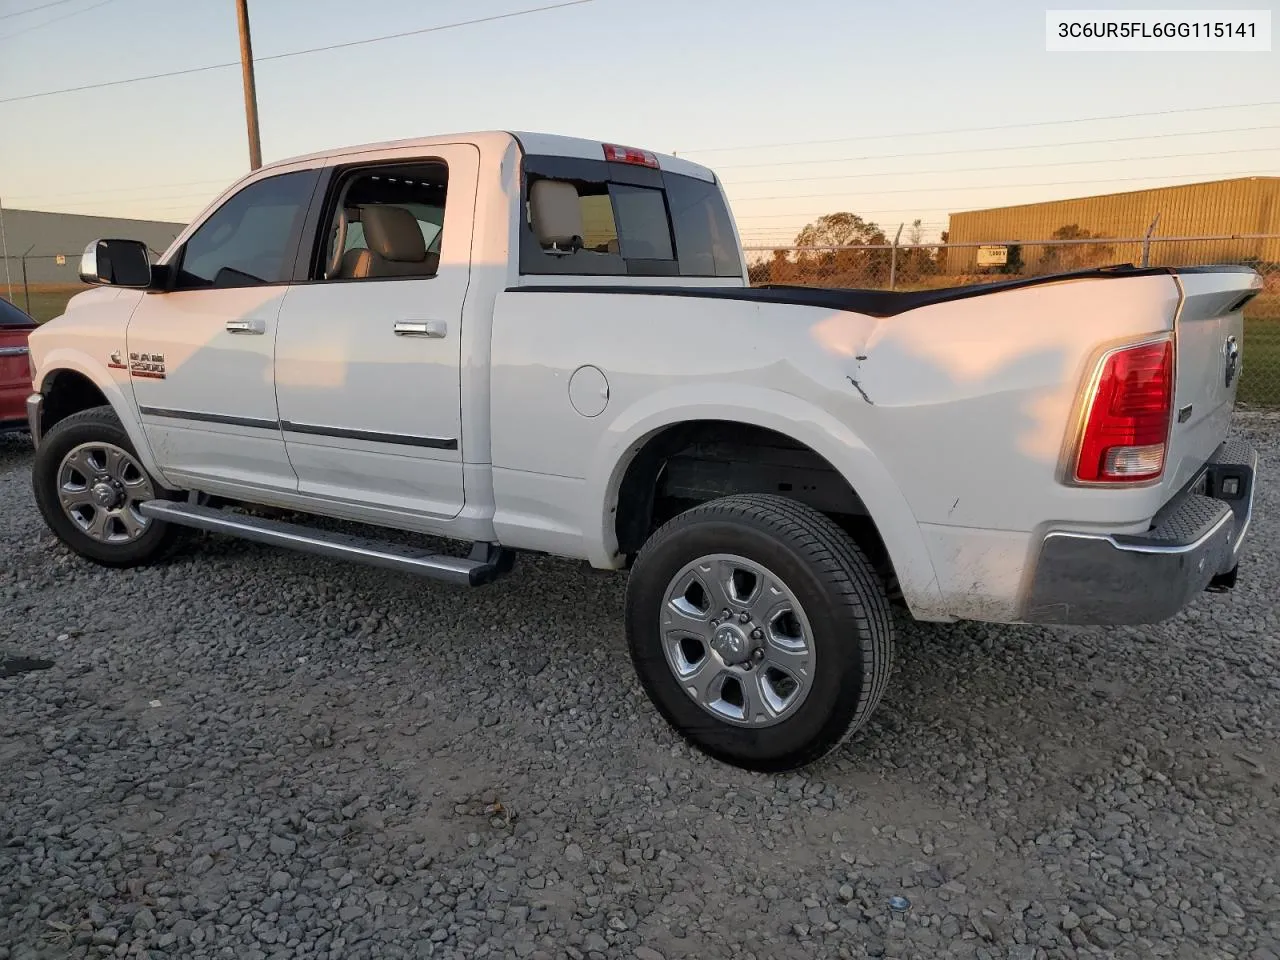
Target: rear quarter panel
x,y
948,420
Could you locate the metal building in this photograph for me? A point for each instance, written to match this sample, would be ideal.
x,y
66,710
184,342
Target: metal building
x,y
42,238
1248,205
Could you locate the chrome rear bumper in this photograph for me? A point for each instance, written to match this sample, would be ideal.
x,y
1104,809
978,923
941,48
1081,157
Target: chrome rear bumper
x,y
1194,542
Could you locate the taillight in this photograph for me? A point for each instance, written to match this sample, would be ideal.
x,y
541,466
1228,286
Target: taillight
x,y
619,154
1127,426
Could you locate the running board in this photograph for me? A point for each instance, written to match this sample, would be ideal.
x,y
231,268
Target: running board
x,y
487,561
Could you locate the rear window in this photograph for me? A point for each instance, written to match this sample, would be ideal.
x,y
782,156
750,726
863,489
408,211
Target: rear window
x,y
629,221
11,316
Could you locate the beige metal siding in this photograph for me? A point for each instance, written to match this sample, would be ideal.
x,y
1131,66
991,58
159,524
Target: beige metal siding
x,y
1248,205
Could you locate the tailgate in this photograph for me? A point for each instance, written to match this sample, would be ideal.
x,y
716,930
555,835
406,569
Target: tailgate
x,y
1209,354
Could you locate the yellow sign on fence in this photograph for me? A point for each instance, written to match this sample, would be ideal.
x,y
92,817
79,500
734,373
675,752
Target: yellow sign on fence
x,y
993,256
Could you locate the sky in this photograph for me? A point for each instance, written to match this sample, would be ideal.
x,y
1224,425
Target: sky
x,y
804,107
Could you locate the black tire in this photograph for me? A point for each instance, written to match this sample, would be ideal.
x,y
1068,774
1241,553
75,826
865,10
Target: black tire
x,y
845,602
96,425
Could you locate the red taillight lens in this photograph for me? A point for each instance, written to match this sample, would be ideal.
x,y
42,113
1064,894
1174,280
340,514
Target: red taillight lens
x,y
1128,424
619,154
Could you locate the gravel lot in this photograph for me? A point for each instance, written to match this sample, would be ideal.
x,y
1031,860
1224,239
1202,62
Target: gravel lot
x,y
247,754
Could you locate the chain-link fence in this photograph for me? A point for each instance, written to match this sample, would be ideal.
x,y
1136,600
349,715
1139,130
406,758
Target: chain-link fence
x,y
40,283
926,266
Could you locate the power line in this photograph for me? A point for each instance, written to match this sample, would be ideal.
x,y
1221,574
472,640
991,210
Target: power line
x,y
45,23
43,6
998,186
1027,146
300,53
730,183
1005,126
151,186
1007,186
1011,166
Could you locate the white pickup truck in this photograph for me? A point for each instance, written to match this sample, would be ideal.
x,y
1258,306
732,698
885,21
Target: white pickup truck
x,y
537,343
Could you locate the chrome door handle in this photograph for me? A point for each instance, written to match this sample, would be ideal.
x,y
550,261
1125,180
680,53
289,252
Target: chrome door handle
x,y
421,328
246,326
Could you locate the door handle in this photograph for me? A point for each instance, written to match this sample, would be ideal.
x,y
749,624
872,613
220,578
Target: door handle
x,y
421,328
246,326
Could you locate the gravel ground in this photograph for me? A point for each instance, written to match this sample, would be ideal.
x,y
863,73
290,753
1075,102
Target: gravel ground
x,y
248,754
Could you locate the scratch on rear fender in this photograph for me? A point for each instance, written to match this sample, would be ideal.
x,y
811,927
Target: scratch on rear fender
x,y
857,386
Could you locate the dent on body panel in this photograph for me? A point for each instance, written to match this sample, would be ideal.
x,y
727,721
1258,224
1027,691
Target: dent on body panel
x,y
975,395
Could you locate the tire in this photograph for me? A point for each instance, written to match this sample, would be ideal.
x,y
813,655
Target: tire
x,y
837,653
126,539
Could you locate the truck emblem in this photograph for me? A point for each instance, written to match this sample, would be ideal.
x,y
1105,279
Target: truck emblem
x,y
1231,357
115,361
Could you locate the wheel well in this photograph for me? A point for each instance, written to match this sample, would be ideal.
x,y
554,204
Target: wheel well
x,y
691,463
67,392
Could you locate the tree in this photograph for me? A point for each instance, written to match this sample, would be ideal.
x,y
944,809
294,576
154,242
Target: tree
x,y
916,261
840,230
1076,256
846,266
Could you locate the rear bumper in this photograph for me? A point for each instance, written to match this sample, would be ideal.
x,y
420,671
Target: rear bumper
x,y
1194,542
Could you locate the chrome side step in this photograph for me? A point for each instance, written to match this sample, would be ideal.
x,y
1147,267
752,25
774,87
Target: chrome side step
x,y
486,563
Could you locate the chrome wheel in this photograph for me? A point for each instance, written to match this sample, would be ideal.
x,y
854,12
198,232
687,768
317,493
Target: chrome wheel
x,y
100,487
737,640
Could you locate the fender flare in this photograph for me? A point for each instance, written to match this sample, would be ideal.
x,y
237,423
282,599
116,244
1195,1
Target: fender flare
x,y
119,395
773,410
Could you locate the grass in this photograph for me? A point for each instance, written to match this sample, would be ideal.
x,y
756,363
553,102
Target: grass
x,y
1259,382
47,301
1260,379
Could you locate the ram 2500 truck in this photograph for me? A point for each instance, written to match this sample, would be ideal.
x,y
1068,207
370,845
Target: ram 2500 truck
x,y
527,342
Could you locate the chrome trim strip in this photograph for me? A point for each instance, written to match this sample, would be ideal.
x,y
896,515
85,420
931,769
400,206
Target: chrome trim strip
x,y
307,429
14,351
200,417
457,570
1147,548
372,436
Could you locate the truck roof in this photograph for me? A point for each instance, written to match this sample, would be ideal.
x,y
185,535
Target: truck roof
x,y
530,142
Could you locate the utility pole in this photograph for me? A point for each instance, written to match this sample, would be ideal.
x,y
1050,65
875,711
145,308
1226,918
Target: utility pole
x,y
250,88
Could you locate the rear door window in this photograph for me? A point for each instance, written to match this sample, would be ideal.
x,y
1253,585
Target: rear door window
x,y
631,221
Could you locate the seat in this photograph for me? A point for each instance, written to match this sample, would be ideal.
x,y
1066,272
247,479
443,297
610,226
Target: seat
x,y
395,247
556,214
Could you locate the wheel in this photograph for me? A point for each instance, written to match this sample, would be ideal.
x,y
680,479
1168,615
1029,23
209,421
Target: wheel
x,y
759,630
88,483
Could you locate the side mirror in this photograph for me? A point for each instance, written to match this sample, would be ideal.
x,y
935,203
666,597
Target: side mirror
x,y
120,263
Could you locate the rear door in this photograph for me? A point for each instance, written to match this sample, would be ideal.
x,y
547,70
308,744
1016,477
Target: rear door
x,y
368,350
1210,352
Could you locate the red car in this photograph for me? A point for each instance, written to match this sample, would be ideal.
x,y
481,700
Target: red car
x,y
15,371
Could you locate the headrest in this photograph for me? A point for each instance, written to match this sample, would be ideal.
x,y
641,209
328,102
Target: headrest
x,y
393,233
555,211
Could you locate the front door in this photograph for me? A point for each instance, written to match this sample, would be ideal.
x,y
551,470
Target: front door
x,y
201,354
368,350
